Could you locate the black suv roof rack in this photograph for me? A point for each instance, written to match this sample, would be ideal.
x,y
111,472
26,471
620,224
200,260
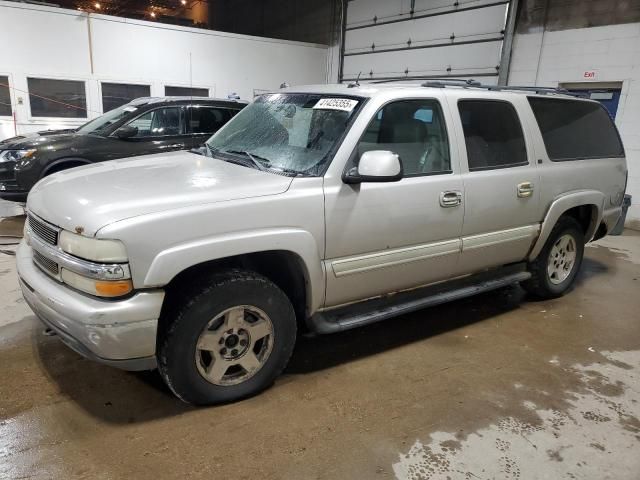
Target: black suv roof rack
x,y
471,83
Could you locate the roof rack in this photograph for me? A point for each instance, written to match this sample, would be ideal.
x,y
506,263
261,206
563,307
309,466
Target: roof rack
x,y
429,79
471,83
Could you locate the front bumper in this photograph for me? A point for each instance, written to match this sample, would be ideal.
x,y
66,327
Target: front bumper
x,y
120,333
9,190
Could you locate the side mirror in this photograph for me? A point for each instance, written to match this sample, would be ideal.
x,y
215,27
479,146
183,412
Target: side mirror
x,y
127,131
375,166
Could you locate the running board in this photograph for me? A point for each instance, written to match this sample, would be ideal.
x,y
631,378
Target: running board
x,y
382,308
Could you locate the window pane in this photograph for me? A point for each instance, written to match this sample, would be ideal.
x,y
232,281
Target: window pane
x,y
57,98
186,92
208,119
574,129
161,122
5,98
492,134
415,130
117,94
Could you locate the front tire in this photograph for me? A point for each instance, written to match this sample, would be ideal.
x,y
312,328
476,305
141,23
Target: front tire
x,y
228,339
554,270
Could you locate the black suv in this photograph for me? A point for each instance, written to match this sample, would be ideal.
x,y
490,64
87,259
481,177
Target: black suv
x,y
141,127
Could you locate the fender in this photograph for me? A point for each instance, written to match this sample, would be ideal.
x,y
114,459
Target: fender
x,y
561,205
76,160
171,261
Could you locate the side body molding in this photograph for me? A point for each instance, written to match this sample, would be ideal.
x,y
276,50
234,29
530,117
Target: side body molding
x,y
171,261
561,205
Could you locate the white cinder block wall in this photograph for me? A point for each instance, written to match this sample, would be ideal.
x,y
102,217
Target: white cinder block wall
x,y
39,41
612,53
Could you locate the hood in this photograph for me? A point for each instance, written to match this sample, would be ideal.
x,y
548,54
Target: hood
x,y
31,140
96,195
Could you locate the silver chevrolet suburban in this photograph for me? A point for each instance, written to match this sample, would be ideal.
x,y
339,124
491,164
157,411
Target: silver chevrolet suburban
x,y
315,210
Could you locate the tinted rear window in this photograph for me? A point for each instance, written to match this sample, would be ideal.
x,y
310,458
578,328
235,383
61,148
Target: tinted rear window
x,y
493,134
576,130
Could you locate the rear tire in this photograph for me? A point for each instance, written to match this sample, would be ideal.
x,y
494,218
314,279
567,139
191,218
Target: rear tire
x,y
554,270
228,338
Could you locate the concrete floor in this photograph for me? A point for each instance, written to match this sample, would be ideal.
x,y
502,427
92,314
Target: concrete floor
x,y
495,386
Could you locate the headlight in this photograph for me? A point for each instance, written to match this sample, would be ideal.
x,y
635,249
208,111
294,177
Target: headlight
x,y
99,288
94,249
16,155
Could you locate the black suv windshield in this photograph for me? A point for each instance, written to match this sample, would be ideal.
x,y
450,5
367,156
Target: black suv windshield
x,y
99,125
293,133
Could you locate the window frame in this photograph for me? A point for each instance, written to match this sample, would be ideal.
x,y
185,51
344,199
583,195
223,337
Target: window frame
x,y
527,161
208,95
204,105
12,105
353,158
63,120
151,137
574,159
118,82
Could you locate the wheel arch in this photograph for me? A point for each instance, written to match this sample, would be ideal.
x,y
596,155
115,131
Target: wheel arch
x,y
586,206
284,268
288,257
63,164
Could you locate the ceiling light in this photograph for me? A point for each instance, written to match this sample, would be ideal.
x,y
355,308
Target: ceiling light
x,y
184,2
153,14
97,5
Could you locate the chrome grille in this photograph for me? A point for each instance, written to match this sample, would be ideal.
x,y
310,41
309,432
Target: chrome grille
x,y
43,262
43,230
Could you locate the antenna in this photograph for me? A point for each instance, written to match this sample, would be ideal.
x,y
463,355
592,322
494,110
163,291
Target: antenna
x,y
357,82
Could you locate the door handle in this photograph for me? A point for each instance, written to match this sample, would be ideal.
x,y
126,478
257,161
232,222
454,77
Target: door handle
x,y
451,198
525,189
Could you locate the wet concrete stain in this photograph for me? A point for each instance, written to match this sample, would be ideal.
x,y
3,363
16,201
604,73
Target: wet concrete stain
x,y
514,447
497,386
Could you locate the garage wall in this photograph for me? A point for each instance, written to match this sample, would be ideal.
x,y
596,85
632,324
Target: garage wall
x,y
54,43
589,55
397,39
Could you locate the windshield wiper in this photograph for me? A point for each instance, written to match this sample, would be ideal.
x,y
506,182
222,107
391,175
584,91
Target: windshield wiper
x,y
254,159
266,166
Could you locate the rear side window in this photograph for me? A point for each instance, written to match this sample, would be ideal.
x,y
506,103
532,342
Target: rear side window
x,y
493,134
576,130
208,120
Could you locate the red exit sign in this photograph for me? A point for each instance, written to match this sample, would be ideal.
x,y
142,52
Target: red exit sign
x,y
589,74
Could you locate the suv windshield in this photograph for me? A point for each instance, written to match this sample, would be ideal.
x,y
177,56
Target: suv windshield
x,y
293,133
99,125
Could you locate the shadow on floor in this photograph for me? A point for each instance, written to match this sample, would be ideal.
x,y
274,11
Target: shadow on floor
x,y
115,396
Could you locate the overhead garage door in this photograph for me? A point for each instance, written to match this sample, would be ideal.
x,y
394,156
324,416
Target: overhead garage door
x,y
410,39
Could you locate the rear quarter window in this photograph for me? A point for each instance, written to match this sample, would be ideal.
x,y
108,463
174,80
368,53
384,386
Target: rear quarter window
x,y
575,129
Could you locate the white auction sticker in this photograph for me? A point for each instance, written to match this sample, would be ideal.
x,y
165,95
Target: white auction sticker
x,y
344,104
